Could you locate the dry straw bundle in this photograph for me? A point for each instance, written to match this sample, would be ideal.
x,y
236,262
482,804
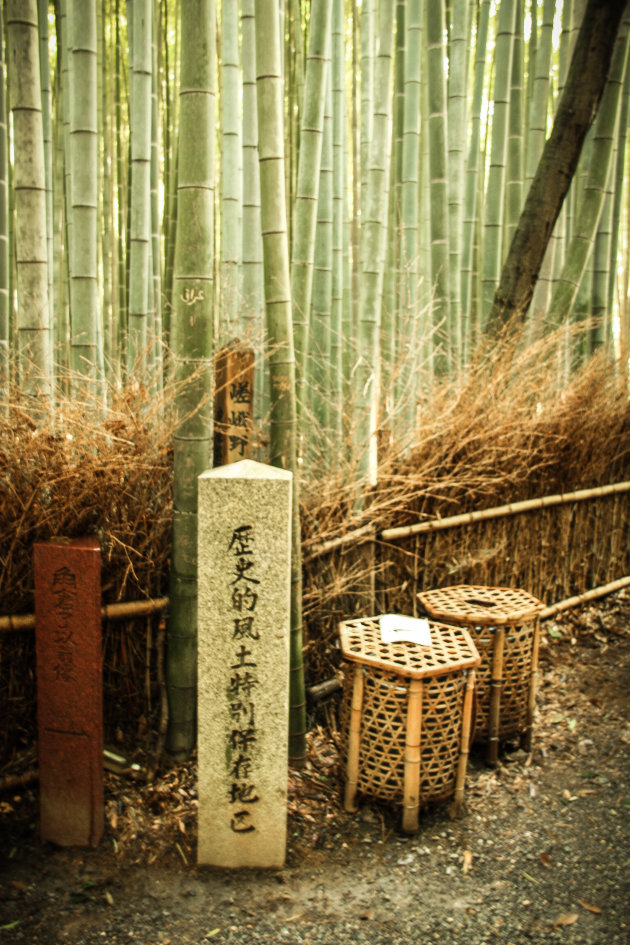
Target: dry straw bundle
x,y
84,470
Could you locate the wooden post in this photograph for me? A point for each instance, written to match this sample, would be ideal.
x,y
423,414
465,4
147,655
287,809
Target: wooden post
x,y
496,685
411,783
233,404
464,747
354,740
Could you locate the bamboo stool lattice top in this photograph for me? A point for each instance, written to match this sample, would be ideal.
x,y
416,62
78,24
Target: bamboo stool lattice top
x,y
451,649
484,606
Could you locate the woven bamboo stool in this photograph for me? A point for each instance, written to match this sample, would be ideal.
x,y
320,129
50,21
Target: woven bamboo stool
x,y
406,716
504,623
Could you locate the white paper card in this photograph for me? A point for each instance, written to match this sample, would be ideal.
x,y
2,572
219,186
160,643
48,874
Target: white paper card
x,y
396,628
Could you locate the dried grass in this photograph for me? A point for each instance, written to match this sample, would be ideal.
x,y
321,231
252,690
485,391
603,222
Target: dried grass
x,y
505,432
85,470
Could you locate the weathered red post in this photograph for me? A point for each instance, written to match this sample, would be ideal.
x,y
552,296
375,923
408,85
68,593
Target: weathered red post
x,y
69,690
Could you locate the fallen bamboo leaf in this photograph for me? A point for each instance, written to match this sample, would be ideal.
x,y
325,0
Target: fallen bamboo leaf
x,y
531,878
212,933
109,897
589,907
9,925
568,919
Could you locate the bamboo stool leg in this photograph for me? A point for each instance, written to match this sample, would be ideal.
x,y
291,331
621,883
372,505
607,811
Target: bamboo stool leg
x,y
411,783
465,744
354,741
526,738
496,685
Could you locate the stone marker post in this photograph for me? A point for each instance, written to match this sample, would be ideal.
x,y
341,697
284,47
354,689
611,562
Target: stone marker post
x,y
244,563
69,690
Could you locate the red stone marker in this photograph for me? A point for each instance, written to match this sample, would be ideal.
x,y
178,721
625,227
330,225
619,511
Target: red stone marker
x,y
69,690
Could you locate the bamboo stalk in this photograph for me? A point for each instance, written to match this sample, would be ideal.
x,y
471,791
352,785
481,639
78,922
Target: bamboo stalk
x,y
496,688
354,741
498,511
593,594
411,788
132,608
357,535
464,748
12,782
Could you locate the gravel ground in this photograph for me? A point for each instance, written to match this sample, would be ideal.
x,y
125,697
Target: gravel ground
x,y
542,854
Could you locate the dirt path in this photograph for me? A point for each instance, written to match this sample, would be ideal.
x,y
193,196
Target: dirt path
x,y
542,855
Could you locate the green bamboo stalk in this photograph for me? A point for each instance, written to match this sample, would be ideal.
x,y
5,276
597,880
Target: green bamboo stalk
x,y
191,343
253,302
456,139
231,172
293,13
44,72
373,246
368,41
121,195
600,333
427,346
620,161
33,311
157,355
516,145
61,310
84,294
308,182
538,110
107,233
283,418
392,280
446,338
319,378
495,190
410,327
5,308
170,116
139,340
473,176
338,60
352,318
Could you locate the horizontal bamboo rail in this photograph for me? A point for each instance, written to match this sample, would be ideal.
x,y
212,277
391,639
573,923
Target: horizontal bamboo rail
x,y
593,594
132,608
499,511
357,535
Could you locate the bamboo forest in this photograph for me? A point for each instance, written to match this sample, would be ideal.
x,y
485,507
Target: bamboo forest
x,y
409,211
